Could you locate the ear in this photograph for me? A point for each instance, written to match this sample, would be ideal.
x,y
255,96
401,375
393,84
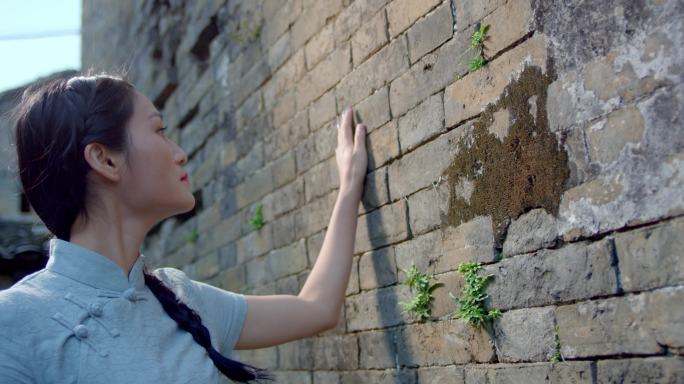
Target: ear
x,y
103,161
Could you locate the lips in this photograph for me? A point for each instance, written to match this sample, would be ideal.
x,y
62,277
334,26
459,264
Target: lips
x,y
184,177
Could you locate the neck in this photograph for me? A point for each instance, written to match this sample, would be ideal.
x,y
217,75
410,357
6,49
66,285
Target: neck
x,y
116,236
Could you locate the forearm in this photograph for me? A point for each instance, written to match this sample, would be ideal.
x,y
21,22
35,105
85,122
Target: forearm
x,y
329,276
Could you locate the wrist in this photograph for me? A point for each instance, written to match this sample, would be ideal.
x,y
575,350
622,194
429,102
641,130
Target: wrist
x,y
350,192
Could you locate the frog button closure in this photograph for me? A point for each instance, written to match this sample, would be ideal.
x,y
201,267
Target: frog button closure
x,y
130,294
95,309
81,331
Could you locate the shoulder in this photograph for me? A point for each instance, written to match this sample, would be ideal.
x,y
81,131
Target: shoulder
x,y
25,305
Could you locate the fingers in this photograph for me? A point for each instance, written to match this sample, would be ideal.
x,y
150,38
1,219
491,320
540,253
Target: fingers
x,y
360,138
344,133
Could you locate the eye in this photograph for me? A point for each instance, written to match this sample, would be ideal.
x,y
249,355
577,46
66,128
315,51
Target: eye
x,y
162,129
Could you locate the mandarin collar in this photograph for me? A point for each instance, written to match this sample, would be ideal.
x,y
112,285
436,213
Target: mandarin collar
x,y
91,268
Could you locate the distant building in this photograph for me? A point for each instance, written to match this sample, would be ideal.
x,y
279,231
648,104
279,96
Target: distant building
x,y
22,234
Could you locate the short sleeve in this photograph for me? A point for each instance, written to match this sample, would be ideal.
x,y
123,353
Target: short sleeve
x,y
223,312
229,311
13,365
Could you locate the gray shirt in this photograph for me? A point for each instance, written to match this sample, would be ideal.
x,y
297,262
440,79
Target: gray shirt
x,y
81,320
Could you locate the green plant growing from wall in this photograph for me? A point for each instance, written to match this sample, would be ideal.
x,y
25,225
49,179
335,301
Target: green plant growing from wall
x,y
247,31
421,287
477,43
557,355
471,307
192,236
257,221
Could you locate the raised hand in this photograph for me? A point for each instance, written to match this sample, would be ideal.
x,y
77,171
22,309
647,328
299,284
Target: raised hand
x,y
350,154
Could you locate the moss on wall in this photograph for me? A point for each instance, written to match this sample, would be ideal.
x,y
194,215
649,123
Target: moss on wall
x,y
509,166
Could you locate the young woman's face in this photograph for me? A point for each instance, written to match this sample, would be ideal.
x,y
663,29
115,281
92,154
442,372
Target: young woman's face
x,y
153,184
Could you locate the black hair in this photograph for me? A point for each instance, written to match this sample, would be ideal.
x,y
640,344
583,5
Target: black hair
x,y
54,121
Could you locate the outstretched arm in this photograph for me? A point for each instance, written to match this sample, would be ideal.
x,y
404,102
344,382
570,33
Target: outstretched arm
x,y
276,319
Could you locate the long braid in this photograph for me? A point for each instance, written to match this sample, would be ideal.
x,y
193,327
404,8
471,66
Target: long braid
x,y
191,322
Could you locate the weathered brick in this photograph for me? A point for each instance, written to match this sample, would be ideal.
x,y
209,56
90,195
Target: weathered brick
x,y
442,305
293,377
563,372
314,216
254,244
285,138
469,95
336,352
525,335
326,377
375,309
207,266
282,228
442,343
312,19
266,358
279,15
283,169
388,376
428,208
374,73
322,110
432,73
284,199
284,79
352,17
651,257
381,227
287,260
607,137
227,256
507,24
313,246
255,187
297,354
531,231
430,32
321,179
644,323
324,76
657,369
470,12
375,192
279,52
377,268
382,145
402,13
369,38
373,111
420,168
284,109
421,123
233,279
576,271
377,349
319,46
437,375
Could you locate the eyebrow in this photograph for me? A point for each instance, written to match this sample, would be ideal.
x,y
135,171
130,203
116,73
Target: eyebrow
x,y
155,114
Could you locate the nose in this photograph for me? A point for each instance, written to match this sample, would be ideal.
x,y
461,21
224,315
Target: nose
x,y
181,157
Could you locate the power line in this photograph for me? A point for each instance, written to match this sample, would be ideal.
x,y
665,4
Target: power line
x,y
40,35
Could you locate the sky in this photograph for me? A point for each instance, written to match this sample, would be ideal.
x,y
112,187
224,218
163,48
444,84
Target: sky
x,y
37,38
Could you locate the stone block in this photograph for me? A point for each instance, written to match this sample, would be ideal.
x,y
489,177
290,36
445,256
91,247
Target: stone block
x,y
439,375
324,76
314,16
375,309
373,74
322,110
657,369
377,349
321,179
430,32
428,208
375,191
420,168
314,216
576,271
335,352
531,231
382,145
644,323
373,111
388,376
380,227
470,95
377,268
575,372
353,16
651,257
607,137
319,46
507,24
525,335
401,14
421,123
470,12
443,343
369,38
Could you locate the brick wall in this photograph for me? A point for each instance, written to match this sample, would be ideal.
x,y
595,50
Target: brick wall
x,y
559,165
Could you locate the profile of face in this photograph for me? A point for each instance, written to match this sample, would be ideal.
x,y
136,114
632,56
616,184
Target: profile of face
x,y
151,183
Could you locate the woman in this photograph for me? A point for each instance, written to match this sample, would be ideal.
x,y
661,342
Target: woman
x,y
97,169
